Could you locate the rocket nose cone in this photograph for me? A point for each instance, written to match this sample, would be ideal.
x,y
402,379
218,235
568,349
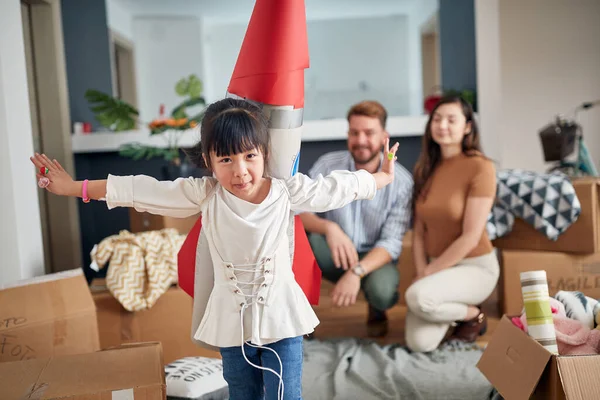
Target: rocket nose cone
x,y
274,53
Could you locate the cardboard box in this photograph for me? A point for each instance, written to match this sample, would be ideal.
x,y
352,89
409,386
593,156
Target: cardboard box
x,y
581,237
520,368
564,271
406,267
142,222
169,322
47,316
132,372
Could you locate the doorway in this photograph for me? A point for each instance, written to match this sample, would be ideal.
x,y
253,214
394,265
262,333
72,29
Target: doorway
x,y
430,56
50,120
123,69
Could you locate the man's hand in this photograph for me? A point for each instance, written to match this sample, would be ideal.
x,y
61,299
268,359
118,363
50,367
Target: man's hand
x,y
386,175
342,249
346,289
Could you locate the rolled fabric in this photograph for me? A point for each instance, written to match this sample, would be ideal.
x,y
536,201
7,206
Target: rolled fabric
x,y
540,324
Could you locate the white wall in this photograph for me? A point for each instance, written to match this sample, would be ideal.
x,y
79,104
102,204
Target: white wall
x,y
119,18
421,12
238,11
222,43
166,50
20,232
350,60
549,63
357,59
489,87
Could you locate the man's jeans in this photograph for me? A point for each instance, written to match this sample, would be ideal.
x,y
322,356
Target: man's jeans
x,y
380,286
247,382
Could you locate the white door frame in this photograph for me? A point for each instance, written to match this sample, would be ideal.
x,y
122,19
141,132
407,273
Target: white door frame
x,y
55,133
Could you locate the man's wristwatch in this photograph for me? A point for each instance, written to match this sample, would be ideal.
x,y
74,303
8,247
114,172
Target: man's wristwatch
x,y
359,270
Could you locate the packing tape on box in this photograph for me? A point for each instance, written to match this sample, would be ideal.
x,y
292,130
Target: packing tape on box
x,y
125,394
540,323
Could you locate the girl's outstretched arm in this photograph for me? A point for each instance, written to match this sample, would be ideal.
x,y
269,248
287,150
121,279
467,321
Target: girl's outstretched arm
x,y
339,188
62,184
179,198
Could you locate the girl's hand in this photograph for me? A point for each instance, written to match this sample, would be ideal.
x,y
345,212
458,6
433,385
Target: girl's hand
x,y
60,182
386,175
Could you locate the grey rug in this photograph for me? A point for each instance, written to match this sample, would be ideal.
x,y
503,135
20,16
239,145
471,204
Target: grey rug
x,y
348,369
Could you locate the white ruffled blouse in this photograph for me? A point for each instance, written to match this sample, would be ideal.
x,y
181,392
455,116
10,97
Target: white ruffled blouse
x,y
255,296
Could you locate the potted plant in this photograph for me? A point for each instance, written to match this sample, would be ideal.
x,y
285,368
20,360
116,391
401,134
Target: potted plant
x,y
112,113
171,127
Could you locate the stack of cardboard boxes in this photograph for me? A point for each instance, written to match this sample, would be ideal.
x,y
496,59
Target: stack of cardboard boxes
x,y
50,347
60,338
514,363
571,263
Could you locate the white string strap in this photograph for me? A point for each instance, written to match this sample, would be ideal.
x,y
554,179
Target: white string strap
x,y
249,299
279,375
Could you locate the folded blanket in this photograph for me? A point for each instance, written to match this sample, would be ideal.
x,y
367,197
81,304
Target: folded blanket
x,y
546,201
141,266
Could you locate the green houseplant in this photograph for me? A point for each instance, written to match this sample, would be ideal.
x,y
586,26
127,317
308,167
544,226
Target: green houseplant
x,y
112,113
172,127
118,116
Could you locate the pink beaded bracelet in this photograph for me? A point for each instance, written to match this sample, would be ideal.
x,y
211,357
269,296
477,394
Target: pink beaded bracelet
x,y
84,194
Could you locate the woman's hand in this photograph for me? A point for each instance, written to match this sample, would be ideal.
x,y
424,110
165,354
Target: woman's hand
x,y
386,175
422,273
59,181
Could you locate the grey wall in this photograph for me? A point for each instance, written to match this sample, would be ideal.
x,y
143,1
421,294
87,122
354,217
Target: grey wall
x,y
457,44
87,54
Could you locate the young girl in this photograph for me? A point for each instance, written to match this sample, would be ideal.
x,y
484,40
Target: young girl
x,y
256,314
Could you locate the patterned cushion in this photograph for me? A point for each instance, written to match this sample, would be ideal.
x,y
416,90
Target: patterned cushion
x,y
546,201
197,378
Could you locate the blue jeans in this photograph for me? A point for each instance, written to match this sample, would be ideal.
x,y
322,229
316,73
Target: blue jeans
x,y
247,382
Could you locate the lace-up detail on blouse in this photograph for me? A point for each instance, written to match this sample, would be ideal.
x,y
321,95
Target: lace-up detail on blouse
x,y
250,283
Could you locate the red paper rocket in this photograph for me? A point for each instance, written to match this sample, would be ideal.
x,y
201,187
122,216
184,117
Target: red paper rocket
x,y
271,63
269,70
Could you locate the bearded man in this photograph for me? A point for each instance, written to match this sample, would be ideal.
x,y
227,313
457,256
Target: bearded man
x,y
358,246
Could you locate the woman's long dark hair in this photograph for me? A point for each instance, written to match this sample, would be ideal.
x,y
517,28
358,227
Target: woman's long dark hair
x,y
431,154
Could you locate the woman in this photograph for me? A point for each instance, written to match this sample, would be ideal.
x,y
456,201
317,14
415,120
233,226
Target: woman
x,y
456,266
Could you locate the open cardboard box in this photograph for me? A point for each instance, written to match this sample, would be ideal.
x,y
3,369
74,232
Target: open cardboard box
x,y
520,368
129,372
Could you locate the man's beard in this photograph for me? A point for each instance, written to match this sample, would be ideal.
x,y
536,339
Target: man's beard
x,y
364,160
